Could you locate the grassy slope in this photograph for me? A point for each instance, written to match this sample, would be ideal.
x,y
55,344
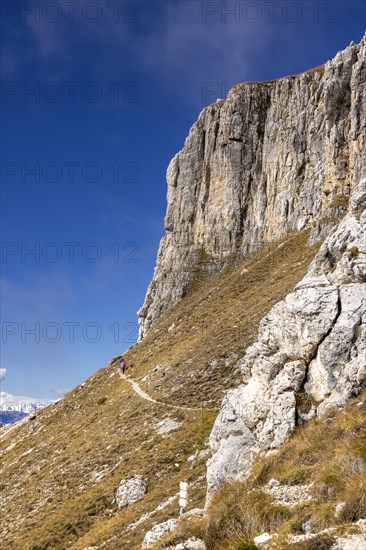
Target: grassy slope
x,y
217,320
51,498
328,456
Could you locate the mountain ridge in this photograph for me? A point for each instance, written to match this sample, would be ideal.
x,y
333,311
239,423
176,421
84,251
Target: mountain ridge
x,y
270,158
223,309
16,407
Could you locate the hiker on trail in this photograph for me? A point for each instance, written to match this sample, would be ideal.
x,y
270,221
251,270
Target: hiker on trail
x,y
122,365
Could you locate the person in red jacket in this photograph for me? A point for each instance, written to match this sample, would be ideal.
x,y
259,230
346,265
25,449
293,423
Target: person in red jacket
x,y
122,365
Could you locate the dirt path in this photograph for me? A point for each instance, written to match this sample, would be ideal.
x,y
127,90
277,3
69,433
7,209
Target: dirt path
x,y
136,388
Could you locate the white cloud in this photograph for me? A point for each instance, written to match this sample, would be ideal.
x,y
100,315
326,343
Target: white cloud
x,y
60,391
180,47
9,402
2,373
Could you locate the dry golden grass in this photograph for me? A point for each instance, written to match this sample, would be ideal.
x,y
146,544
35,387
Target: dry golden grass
x,y
268,83
238,513
217,320
53,489
50,465
329,454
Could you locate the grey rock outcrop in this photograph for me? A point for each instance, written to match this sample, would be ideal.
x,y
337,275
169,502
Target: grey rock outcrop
x,y
351,542
130,490
158,531
312,342
189,544
272,157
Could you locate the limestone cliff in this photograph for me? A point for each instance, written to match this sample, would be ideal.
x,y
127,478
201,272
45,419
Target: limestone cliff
x,y
311,349
272,157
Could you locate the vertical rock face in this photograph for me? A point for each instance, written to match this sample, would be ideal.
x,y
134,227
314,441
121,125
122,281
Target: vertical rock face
x,y
313,343
273,157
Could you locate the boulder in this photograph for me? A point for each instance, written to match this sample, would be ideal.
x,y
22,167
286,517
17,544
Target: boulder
x,y
130,490
158,531
190,544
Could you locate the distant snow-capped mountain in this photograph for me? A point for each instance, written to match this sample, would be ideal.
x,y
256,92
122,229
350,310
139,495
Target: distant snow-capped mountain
x,y
16,407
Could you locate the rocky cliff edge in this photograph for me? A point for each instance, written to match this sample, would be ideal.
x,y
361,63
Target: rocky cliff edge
x,y
310,354
272,157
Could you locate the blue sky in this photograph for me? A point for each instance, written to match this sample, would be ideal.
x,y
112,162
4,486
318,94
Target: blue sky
x,y
97,97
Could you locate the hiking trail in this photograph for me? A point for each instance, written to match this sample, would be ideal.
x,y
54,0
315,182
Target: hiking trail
x,y
137,389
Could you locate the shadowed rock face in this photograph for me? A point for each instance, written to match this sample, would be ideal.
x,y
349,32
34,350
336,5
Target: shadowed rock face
x,y
271,158
314,341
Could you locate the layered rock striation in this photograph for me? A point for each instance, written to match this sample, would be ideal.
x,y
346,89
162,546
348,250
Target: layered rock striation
x,y
272,157
311,349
